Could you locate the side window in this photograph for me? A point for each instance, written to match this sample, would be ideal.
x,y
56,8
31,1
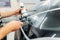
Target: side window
x,y
5,3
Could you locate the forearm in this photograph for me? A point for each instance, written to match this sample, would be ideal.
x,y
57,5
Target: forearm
x,y
7,14
3,32
9,27
10,13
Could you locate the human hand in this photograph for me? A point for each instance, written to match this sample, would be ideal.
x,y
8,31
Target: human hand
x,y
13,25
18,11
10,13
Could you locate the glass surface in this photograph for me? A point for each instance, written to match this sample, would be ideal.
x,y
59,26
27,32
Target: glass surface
x,y
53,21
5,3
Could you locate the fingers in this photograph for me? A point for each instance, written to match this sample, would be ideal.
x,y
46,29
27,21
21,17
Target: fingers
x,y
19,10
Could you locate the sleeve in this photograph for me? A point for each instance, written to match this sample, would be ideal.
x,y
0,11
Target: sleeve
x,y
1,24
